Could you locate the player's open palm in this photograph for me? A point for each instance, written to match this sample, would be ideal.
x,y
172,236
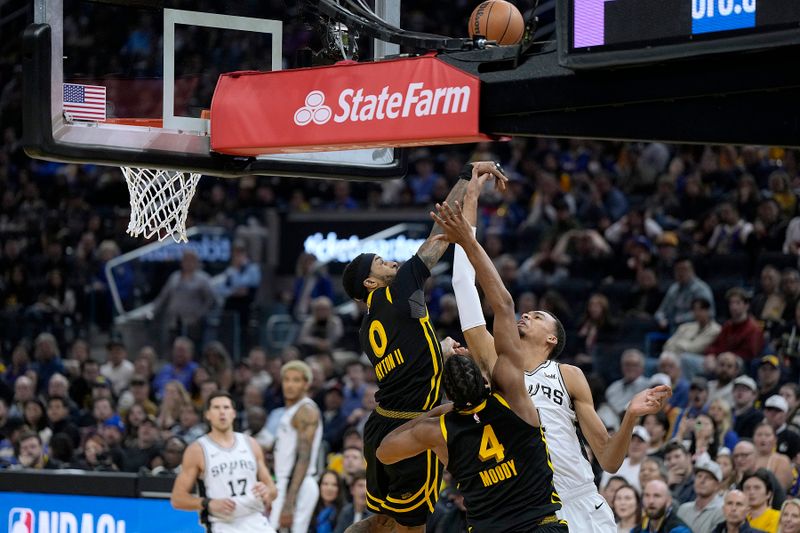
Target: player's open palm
x,y
451,220
221,507
650,401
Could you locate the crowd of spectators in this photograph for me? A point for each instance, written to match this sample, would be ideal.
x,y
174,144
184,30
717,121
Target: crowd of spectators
x,y
666,264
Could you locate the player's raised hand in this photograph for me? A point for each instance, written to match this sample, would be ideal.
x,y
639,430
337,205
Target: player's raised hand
x,y
450,346
451,219
484,170
650,401
222,507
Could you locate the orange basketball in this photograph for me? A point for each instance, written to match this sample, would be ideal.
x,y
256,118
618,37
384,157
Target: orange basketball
x,y
497,20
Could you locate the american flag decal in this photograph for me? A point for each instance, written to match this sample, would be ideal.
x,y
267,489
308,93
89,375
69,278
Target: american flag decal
x,y
84,102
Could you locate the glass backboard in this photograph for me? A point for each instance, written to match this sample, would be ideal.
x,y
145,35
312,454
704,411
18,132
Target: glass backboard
x,y
130,82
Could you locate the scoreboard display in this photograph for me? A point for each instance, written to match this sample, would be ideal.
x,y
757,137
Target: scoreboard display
x,y
595,33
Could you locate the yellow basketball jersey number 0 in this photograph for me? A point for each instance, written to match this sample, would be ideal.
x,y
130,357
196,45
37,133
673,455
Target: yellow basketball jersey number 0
x,y
378,344
490,446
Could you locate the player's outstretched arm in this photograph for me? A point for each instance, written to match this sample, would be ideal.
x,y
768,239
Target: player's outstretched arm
x,y
414,437
432,249
609,450
506,375
458,230
305,421
470,312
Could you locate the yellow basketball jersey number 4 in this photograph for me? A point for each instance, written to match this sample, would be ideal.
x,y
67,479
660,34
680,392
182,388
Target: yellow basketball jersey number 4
x,y
490,446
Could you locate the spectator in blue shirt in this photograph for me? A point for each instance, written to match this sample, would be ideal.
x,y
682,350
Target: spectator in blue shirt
x,y
181,369
242,279
676,307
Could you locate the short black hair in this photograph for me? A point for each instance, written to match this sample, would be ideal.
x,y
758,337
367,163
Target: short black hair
x,y
57,399
762,473
673,445
702,301
463,382
218,394
561,336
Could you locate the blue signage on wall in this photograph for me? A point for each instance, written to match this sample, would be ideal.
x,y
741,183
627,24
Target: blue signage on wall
x,y
722,15
58,513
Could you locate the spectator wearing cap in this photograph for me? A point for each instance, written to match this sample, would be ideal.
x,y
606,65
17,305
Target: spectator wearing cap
x,y
734,510
745,415
140,393
117,369
741,334
705,511
769,378
697,405
727,367
692,338
767,457
633,381
666,253
146,448
637,451
181,369
669,364
113,432
676,307
680,477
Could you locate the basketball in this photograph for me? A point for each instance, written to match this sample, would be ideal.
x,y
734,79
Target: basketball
x,y
497,20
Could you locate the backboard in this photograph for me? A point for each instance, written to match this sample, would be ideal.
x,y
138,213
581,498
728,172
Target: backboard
x,y
130,82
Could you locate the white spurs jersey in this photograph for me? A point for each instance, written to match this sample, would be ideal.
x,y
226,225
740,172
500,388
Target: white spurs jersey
x,y
285,451
231,473
547,389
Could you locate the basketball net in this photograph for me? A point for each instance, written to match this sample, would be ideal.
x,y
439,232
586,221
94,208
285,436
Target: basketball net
x,y
159,201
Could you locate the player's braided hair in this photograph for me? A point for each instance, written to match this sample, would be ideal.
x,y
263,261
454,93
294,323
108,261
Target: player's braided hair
x,y
463,382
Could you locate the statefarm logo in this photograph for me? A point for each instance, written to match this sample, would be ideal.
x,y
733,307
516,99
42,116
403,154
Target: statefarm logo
x,y
355,106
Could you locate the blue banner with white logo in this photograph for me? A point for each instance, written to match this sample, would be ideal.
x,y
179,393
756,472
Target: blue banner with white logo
x,y
57,513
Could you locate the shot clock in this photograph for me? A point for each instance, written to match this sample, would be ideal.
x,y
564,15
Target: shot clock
x,y
596,33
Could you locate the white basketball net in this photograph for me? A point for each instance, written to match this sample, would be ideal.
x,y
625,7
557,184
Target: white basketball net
x,y
159,201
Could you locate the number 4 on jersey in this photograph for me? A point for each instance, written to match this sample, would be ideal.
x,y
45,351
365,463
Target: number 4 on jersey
x,y
490,446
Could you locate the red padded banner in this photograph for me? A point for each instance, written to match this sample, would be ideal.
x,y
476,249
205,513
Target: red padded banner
x,y
403,102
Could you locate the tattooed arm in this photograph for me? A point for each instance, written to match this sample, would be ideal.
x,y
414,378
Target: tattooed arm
x,y
305,421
